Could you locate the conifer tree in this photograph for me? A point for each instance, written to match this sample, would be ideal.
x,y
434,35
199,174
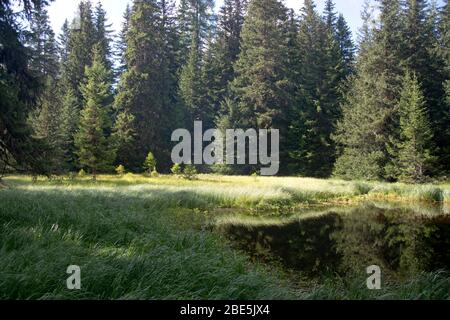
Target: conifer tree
x,y
44,64
321,74
222,54
103,34
46,123
420,39
94,148
121,44
80,45
346,44
414,159
259,93
329,15
63,42
192,93
69,114
42,43
18,90
442,137
370,116
147,90
184,24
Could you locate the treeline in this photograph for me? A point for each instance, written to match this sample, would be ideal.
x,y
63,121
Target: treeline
x,y
375,109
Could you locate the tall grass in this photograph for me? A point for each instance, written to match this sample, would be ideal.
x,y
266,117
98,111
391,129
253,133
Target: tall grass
x,y
419,193
127,244
232,191
426,286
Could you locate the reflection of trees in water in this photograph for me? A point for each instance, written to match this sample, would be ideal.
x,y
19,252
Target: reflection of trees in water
x,y
398,240
304,245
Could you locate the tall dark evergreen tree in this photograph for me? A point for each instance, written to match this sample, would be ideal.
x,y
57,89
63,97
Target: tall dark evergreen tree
x,y
443,137
414,160
420,56
94,146
320,76
47,127
370,116
259,95
222,54
345,40
46,119
329,15
192,94
89,29
146,90
18,90
63,42
81,43
42,44
103,34
68,113
121,44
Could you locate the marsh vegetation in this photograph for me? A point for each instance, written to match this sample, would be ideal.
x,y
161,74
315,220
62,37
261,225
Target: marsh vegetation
x,y
170,238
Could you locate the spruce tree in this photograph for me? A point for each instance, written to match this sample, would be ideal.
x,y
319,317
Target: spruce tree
x,y
345,40
370,116
329,15
421,57
103,34
320,76
121,44
147,90
221,55
94,148
184,24
63,42
80,45
123,132
76,42
42,44
69,115
123,136
46,123
414,146
18,90
443,136
259,93
192,93
261,67
44,64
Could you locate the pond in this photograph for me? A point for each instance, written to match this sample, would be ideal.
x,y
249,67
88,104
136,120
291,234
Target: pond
x,y
344,241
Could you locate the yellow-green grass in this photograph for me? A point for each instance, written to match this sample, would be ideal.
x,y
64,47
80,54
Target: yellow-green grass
x,y
260,192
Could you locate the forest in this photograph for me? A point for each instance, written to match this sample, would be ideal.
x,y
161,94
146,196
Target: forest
x,y
375,107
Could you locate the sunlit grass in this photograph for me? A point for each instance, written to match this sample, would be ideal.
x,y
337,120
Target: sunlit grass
x,y
257,191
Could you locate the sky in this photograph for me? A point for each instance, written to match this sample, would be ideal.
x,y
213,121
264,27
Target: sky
x,y
59,10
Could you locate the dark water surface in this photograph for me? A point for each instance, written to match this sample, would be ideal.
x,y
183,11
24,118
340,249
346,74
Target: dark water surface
x,y
403,241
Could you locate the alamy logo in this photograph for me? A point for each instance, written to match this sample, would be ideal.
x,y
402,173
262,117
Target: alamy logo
x,y
74,281
237,151
374,281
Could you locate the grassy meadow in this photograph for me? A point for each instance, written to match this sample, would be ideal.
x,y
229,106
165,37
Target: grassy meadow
x,y
137,237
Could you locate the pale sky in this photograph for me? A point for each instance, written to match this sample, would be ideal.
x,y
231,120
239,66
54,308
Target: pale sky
x,y
59,10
